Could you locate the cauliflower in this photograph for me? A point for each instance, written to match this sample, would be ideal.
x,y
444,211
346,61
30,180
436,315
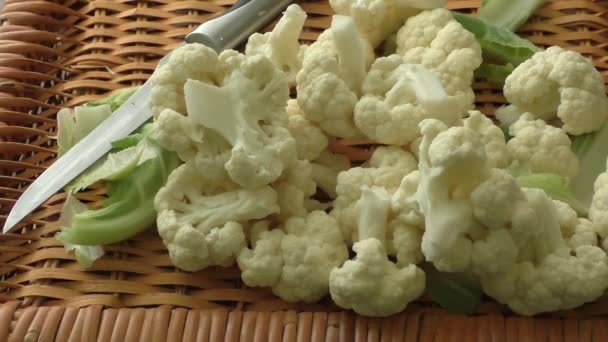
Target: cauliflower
x,y
397,97
542,148
386,169
371,284
549,275
310,139
297,260
458,195
198,219
325,170
329,83
492,137
193,144
191,61
576,231
377,19
282,45
247,109
438,42
598,211
294,189
406,222
262,265
563,83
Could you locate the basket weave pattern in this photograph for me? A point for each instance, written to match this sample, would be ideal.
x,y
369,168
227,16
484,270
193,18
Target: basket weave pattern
x,y
102,46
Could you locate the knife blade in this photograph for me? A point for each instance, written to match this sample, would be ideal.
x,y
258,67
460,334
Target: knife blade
x,y
226,31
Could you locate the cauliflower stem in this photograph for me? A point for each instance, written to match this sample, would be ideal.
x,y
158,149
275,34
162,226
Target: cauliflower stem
x,y
348,47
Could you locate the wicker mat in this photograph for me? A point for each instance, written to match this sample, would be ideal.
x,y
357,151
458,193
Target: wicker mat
x,y
133,293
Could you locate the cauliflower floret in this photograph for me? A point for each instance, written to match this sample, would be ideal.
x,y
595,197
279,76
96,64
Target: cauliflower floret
x,y
404,202
598,211
294,188
438,42
282,45
576,231
193,144
406,224
198,219
191,61
492,137
459,194
398,96
261,266
404,243
542,148
377,19
506,229
309,249
215,97
248,111
371,284
329,83
310,139
549,276
563,83
385,169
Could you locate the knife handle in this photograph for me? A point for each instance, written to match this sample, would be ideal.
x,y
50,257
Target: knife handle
x,y
233,27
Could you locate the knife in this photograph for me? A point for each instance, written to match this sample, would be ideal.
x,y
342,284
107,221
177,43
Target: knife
x,y
227,31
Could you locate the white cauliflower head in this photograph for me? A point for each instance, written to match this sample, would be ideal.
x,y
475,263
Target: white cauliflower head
x,y
377,19
492,138
551,273
247,110
294,189
397,97
438,42
562,83
406,223
198,218
193,144
458,194
542,148
329,83
598,211
262,264
310,139
385,169
371,284
296,261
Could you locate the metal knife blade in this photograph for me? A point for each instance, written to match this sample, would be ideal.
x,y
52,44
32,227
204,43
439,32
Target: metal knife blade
x,y
224,32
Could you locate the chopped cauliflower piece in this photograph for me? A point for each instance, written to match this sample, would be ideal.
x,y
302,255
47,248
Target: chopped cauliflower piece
x,y
562,83
542,148
282,45
438,42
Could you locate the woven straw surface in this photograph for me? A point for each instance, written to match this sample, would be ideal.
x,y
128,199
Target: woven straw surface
x,y
133,293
